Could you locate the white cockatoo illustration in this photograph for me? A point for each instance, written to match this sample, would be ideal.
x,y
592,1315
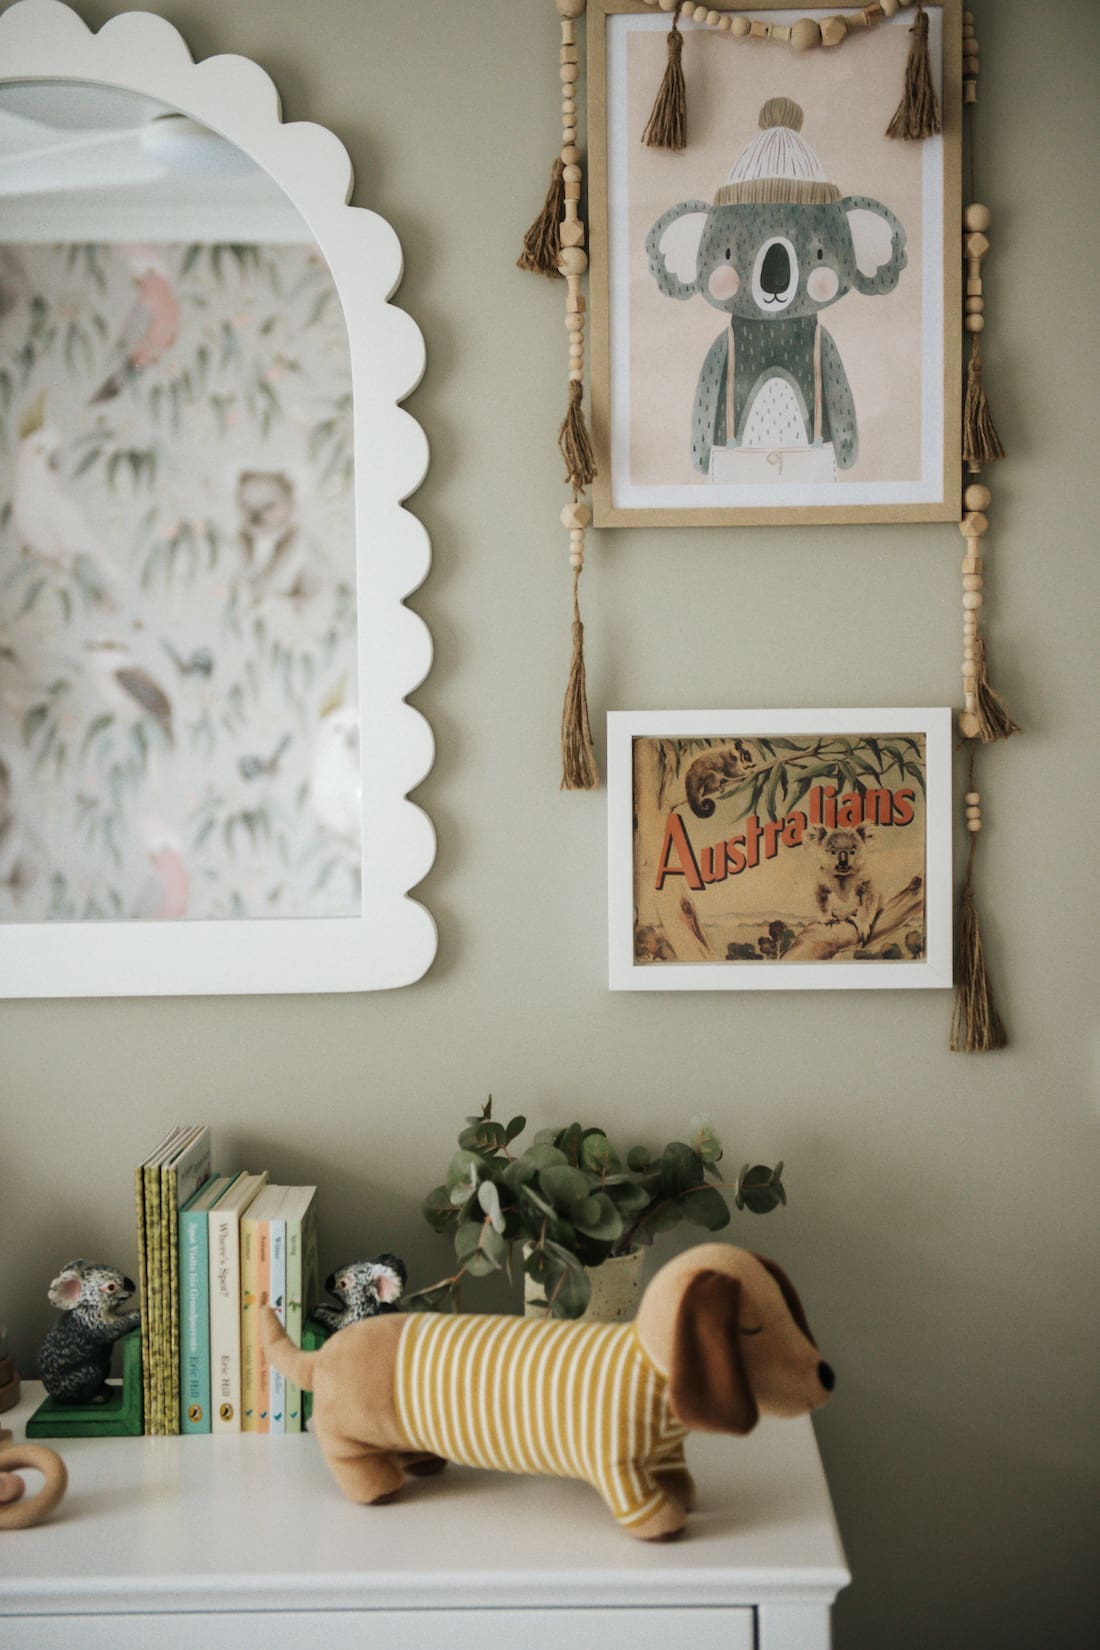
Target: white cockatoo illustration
x,y
334,783
167,894
127,688
150,328
48,523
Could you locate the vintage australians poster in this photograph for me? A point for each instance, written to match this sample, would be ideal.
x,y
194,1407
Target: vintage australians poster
x,y
802,853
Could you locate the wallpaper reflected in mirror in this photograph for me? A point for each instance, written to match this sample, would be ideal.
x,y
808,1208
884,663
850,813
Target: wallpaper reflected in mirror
x,y
178,692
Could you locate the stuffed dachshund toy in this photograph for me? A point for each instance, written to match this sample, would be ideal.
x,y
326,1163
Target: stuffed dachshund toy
x,y
720,1339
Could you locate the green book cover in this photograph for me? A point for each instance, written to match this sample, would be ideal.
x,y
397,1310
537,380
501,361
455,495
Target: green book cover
x,y
300,1213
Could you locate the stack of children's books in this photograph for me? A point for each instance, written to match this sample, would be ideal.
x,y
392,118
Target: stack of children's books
x,y
211,1249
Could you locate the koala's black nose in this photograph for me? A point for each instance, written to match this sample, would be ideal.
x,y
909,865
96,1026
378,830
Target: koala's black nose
x,y
330,1283
825,1376
128,1283
775,272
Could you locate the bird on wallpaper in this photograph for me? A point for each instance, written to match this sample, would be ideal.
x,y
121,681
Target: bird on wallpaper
x,y
48,523
199,662
127,687
151,326
167,894
334,781
264,767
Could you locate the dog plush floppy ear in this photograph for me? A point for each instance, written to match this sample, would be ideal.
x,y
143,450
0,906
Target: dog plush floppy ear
x,y
708,1386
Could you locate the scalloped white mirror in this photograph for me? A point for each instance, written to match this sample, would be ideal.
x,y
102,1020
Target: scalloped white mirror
x,y
205,753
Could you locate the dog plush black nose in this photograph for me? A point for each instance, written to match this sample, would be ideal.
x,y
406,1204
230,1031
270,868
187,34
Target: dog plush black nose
x,y
825,1376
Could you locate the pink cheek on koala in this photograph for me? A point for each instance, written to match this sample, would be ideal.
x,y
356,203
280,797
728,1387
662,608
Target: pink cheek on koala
x,y
822,285
723,282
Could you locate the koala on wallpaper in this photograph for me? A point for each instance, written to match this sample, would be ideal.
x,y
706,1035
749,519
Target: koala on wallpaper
x,y
779,245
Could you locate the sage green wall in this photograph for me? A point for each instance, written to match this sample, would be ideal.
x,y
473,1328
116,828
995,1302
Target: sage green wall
x,y
941,1206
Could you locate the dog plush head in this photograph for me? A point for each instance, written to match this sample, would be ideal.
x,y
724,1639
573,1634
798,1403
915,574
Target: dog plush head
x,y
728,1329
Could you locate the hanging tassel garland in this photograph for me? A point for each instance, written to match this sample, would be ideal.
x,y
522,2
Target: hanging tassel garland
x,y
917,116
575,445
981,443
542,242
666,127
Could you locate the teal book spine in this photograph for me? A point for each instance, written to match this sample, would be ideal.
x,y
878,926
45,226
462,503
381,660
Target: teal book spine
x,y
194,1262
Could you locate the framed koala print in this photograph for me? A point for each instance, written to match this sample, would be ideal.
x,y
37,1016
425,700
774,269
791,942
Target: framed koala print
x,y
779,849
774,306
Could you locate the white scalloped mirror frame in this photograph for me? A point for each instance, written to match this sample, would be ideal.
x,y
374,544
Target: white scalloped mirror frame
x,y
393,940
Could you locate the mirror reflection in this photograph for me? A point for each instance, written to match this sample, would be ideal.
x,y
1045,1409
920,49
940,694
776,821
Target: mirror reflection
x,y
178,688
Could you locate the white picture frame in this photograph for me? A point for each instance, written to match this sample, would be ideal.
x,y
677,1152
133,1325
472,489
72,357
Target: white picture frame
x,y
638,960
392,940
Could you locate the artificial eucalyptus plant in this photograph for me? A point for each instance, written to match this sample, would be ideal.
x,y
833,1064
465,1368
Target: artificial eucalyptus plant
x,y
572,1201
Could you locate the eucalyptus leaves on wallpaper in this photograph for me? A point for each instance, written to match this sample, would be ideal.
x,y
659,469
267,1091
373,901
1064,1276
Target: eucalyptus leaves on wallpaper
x,y
178,696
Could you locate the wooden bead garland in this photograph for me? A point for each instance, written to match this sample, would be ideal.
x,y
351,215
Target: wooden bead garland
x,y
554,245
917,115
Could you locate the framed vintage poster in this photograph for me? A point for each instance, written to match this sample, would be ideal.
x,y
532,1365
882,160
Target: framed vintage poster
x,y
775,307
771,849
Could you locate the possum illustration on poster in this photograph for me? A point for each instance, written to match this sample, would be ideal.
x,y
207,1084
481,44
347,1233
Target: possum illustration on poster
x,y
808,848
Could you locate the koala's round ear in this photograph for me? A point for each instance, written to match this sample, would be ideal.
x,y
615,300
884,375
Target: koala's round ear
x,y
815,833
673,248
865,833
878,240
64,1291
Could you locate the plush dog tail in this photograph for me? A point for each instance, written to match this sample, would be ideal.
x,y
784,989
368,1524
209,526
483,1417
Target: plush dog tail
x,y
288,1359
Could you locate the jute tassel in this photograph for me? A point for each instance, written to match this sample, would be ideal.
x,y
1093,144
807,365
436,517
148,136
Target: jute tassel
x,y
917,116
994,722
578,757
975,1024
981,443
666,127
542,242
574,442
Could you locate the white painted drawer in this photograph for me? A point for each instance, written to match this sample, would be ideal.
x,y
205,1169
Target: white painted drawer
x,y
703,1629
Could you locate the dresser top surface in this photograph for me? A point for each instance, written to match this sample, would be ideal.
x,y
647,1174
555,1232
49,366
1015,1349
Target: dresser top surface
x,y
248,1522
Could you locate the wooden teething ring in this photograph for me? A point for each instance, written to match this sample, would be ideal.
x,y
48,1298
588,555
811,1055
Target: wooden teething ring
x,y
20,1515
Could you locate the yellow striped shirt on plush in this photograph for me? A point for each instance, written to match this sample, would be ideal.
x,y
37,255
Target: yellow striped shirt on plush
x,y
575,1400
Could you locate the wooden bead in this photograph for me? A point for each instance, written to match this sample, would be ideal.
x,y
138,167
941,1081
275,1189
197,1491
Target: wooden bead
x,y
972,600
569,72
570,153
969,725
576,375
974,323
779,31
970,92
571,232
569,106
975,306
976,246
972,798
570,8
973,824
758,30
572,191
668,5
576,515
873,13
739,27
833,31
724,24
977,217
972,581
971,564
805,35
568,32
889,8
572,260
568,54
977,497
571,173
973,524
713,19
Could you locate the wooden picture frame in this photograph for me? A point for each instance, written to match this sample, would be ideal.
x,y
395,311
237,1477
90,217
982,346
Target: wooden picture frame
x,y
779,849
861,420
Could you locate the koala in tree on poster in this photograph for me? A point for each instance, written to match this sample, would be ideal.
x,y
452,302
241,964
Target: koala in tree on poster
x,y
778,245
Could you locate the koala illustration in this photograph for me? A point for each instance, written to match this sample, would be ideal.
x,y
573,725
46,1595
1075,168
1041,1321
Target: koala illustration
x,y
844,891
75,1359
709,771
778,245
367,1288
276,559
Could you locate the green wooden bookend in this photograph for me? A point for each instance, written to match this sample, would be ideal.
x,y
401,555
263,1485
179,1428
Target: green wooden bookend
x,y
120,1416
314,1335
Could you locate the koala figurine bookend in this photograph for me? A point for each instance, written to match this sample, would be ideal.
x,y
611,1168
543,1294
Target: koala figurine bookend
x,y
365,1289
75,1359
720,1339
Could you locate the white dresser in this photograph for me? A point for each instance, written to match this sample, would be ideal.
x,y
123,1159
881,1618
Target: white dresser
x,y
245,1543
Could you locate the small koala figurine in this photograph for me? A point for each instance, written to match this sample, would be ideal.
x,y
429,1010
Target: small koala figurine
x,y
367,1288
75,1360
